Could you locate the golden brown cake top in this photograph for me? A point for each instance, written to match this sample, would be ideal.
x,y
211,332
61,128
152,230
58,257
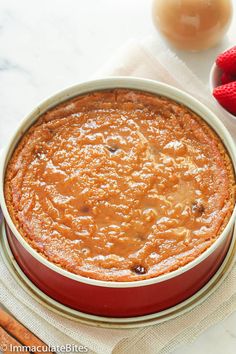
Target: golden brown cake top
x,y
120,185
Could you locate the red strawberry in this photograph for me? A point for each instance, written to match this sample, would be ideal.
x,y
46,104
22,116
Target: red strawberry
x,y
226,78
226,96
227,61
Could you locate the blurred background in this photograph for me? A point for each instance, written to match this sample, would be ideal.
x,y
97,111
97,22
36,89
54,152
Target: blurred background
x,y
47,45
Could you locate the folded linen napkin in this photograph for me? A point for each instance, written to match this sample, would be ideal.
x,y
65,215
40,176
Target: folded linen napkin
x,y
150,60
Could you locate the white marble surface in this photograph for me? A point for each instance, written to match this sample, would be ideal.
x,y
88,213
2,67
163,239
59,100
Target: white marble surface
x,y
46,45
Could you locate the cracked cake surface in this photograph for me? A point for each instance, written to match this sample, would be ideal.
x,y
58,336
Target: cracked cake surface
x,y
120,185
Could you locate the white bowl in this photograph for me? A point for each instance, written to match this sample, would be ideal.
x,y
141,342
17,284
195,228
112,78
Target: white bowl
x,y
214,81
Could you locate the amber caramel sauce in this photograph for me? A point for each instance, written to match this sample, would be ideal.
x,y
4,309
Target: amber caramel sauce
x,y
120,185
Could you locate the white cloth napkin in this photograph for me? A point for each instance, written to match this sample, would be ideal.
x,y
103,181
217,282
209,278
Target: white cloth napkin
x,y
150,60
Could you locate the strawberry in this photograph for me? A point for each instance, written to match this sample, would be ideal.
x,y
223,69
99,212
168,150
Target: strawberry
x,y
226,78
227,61
226,96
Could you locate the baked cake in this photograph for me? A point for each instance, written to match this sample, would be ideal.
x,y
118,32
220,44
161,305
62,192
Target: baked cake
x,y
120,185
